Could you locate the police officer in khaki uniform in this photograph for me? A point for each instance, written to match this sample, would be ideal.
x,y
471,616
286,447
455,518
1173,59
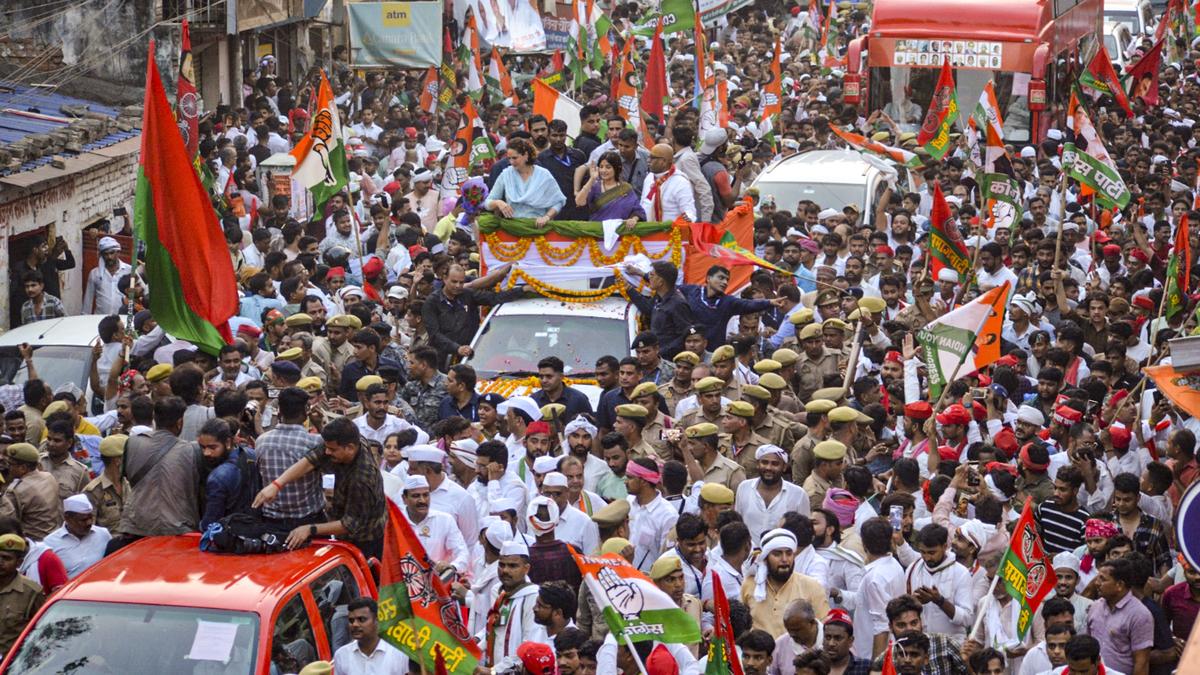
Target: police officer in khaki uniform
x,y
834,332
704,461
33,497
157,378
107,491
631,422
723,366
72,475
799,319
739,442
667,574
815,363
764,423
680,386
20,596
708,395
781,398
787,358
777,388
817,417
648,396
829,460
331,352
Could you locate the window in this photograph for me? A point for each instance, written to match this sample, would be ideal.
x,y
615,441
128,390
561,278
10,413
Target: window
x,y
293,645
333,592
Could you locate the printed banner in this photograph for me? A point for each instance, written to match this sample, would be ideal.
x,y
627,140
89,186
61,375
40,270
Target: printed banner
x,y
403,34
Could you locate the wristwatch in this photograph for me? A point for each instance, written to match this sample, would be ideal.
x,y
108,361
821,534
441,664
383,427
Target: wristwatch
x,y
312,531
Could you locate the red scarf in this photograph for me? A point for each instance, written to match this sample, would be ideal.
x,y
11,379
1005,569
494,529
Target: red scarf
x,y
655,195
493,617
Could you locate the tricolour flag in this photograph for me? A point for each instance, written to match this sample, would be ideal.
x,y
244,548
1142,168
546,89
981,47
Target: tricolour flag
x,y
943,111
471,145
772,96
829,37
964,339
722,655
187,262
866,145
1001,192
449,77
946,245
499,82
676,16
555,105
1101,78
577,51
469,52
417,613
321,155
625,92
1178,271
428,101
187,101
634,607
1086,160
1026,570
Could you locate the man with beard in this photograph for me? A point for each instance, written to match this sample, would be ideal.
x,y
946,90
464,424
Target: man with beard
x,y
815,363
945,588
368,653
555,607
650,517
514,606
704,462
837,639
708,395
829,459
940,654
764,500
845,566
232,476
712,308
910,653
758,647
691,545
817,419
916,444
776,584
1060,519
615,451
567,644
574,526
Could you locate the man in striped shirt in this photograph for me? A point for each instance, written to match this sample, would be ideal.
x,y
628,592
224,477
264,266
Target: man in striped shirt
x,y
1060,518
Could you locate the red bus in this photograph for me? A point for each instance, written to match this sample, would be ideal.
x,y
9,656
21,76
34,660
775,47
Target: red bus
x,y
1025,46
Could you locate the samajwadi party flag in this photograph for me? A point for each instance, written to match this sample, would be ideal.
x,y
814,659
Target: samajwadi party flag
x,y
1026,570
1178,271
187,262
1101,77
1086,160
965,339
632,605
555,105
320,155
864,144
946,245
943,111
417,613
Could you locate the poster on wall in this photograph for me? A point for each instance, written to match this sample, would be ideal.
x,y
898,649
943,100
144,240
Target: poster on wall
x,y
513,25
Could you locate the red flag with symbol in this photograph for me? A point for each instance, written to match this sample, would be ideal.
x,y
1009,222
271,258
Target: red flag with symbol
x,y
1026,569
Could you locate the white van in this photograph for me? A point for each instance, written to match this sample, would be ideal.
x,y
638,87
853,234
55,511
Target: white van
x,y
831,178
1138,15
62,350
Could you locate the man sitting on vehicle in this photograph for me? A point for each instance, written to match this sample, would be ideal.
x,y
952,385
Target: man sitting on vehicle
x,y
232,477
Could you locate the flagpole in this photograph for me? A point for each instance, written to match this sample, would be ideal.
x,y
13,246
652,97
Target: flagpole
x,y
357,224
633,652
962,359
962,290
991,597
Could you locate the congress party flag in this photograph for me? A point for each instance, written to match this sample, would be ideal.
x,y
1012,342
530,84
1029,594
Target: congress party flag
x,y
321,155
943,111
499,82
863,144
553,104
1026,570
417,613
1085,159
964,339
946,245
633,606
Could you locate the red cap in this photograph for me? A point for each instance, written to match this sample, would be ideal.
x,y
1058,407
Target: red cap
x,y
416,249
918,410
796,11
410,132
947,453
838,615
372,267
979,411
1117,396
335,273
249,329
886,250
391,187
1139,254
1120,437
1067,416
893,356
661,662
538,427
1100,237
984,380
1144,302
954,414
537,658
1111,251
1006,360
1006,442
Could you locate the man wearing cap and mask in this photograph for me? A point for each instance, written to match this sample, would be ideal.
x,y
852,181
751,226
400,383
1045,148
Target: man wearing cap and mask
x,y
776,584
438,532
764,500
79,543
511,621
32,497
549,555
829,459
574,526
20,597
332,350
100,295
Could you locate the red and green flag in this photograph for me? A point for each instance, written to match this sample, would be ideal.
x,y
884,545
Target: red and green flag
x,y
934,135
946,245
417,613
722,655
1177,271
187,101
187,262
1101,77
1026,570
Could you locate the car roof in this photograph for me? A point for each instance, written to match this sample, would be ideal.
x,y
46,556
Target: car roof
x,y
174,572
71,331
823,166
614,308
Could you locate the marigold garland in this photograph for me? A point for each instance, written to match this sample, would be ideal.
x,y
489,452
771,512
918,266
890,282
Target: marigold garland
x,y
570,254
506,387
568,295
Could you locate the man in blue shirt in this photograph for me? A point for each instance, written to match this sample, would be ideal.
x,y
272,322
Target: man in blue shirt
x,y
461,399
554,390
712,309
232,477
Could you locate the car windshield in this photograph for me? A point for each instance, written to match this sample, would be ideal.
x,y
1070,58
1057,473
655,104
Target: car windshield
x,y
96,637
55,365
515,343
789,194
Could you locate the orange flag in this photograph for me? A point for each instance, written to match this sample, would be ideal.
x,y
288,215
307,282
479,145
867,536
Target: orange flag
x,y
1182,388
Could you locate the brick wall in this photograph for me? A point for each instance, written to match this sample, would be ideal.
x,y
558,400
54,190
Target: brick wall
x,y
70,203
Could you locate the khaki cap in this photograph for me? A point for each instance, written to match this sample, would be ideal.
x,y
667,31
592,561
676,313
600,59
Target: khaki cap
x,y
755,392
767,366
722,353
740,409
872,304
344,321
553,410
831,393
292,354
159,372
113,446
715,493
772,382
829,450
644,389
23,452
311,384
810,331
702,430
690,357
366,381
298,319
820,406
666,565
710,383
632,410
801,317
786,357
613,514
835,323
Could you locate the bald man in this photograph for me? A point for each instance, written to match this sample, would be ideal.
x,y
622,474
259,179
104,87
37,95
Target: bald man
x,y
667,193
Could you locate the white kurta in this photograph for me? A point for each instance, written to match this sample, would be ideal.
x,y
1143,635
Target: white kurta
x,y
442,541
577,529
955,584
648,529
761,517
78,554
451,498
515,625
882,581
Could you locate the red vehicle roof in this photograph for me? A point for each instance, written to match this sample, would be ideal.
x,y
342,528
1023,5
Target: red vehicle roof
x,y
144,571
1006,20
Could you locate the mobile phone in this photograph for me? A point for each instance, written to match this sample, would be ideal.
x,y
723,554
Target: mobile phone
x,y
896,517
1158,396
979,393
973,474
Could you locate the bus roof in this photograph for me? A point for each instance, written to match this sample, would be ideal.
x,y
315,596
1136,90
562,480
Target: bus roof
x,y
1007,20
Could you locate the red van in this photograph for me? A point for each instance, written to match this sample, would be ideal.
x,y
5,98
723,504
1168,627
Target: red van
x,y
160,605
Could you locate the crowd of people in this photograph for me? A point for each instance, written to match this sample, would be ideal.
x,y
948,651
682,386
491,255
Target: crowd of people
x,y
781,439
